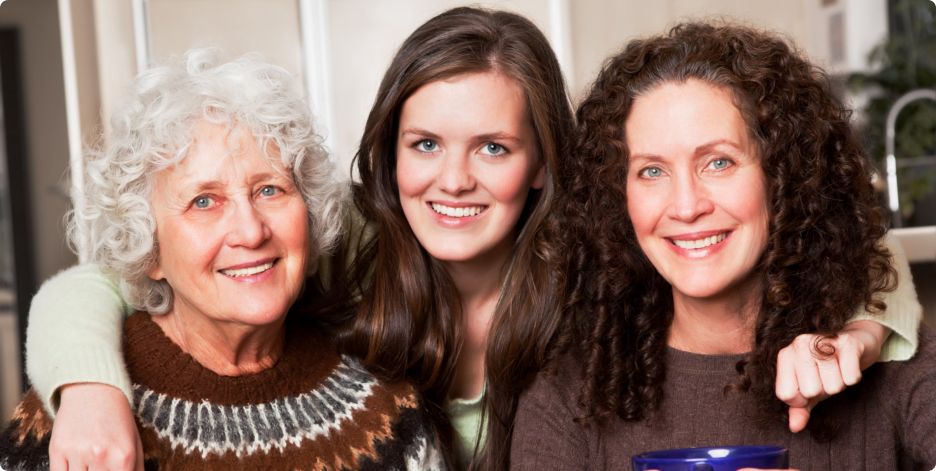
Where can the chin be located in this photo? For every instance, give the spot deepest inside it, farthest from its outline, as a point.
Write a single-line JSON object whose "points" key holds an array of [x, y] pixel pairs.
{"points": [[699, 290], [262, 314], [451, 254]]}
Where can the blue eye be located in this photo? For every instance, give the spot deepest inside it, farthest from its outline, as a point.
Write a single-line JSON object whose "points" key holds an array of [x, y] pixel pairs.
{"points": [[202, 202], [652, 172], [494, 148], [427, 146], [719, 164], [268, 190]]}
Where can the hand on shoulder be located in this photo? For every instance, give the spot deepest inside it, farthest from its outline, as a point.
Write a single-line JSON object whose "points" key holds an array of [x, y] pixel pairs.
{"points": [[95, 429]]}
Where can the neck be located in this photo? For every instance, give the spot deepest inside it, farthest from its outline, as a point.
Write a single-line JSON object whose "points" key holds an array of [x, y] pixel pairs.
{"points": [[721, 324], [224, 347], [479, 283]]}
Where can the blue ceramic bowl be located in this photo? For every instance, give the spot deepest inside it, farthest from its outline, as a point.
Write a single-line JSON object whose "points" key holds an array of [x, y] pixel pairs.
{"points": [[728, 458]]}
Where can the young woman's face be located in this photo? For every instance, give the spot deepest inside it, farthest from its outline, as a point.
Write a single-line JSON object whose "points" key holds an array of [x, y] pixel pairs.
{"points": [[466, 160], [696, 193]]}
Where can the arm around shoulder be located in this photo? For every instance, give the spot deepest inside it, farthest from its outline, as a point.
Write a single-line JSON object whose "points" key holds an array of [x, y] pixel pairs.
{"points": [[903, 314], [74, 333]]}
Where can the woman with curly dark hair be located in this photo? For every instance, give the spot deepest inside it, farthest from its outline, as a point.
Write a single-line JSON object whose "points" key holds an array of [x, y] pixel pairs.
{"points": [[727, 208]]}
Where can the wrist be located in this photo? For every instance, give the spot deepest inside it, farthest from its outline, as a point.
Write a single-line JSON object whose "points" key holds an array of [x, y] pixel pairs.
{"points": [[870, 335]]}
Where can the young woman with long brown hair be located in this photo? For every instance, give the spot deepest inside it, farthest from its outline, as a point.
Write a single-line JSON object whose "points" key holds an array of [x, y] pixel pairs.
{"points": [[454, 271], [457, 173]]}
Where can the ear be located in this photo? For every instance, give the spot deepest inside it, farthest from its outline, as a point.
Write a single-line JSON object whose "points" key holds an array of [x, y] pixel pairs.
{"points": [[539, 179], [155, 272]]}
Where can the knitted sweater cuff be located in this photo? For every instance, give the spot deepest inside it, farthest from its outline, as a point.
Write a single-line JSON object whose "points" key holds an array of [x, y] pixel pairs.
{"points": [[88, 364]]}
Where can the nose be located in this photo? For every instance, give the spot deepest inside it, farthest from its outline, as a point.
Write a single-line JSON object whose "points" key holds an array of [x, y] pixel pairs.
{"points": [[690, 199], [246, 226], [456, 176]]}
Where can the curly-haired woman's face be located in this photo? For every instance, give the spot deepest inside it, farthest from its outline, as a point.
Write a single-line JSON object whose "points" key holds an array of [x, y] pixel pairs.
{"points": [[232, 230], [696, 193], [466, 160]]}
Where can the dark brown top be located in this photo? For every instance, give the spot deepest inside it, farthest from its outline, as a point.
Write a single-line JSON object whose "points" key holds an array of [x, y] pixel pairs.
{"points": [[888, 420]]}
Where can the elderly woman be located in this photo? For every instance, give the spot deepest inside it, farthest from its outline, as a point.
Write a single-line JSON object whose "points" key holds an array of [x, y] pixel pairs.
{"points": [[207, 204], [747, 218]]}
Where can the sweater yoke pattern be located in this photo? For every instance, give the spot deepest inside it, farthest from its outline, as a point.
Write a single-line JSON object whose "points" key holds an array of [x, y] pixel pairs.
{"points": [[314, 410], [209, 428]]}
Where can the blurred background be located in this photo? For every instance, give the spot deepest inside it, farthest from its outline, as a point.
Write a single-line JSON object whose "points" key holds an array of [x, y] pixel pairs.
{"points": [[64, 64]]}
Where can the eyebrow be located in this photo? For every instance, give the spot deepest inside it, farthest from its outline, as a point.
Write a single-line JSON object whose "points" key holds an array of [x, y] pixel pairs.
{"points": [[419, 132], [204, 185], [716, 143], [494, 136], [698, 150]]}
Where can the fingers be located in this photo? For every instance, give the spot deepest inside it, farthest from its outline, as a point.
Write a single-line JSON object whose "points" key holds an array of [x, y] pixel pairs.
{"points": [[799, 417], [830, 376], [849, 353], [138, 466], [57, 461], [807, 371], [805, 377], [94, 431], [787, 387]]}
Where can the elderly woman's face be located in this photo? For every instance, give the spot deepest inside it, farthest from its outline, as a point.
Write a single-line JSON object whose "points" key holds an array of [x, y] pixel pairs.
{"points": [[695, 190], [232, 230]]}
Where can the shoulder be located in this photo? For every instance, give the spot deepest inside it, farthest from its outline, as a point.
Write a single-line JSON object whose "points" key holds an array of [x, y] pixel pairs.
{"points": [[902, 383], [921, 365], [412, 442], [24, 443], [552, 400], [558, 384], [398, 400], [547, 430]]}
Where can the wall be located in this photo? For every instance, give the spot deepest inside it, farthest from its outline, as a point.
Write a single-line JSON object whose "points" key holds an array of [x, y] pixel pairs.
{"points": [[47, 151], [47, 141]]}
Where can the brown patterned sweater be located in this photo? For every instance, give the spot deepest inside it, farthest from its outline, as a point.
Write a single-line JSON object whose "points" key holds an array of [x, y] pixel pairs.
{"points": [[313, 410]]}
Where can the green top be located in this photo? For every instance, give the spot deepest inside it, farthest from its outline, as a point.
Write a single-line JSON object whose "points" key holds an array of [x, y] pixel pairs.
{"points": [[465, 415]]}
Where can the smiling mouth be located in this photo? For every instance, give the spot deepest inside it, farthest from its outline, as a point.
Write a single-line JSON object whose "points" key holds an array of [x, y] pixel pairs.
{"points": [[700, 243], [462, 212], [241, 272]]}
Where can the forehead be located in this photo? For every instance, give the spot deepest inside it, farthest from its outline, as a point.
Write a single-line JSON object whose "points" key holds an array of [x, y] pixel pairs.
{"points": [[679, 118], [221, 153], [487, 96]]}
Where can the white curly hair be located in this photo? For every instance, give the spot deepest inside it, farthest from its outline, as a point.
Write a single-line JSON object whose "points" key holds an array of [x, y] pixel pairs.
{"points": [[112, 223]]}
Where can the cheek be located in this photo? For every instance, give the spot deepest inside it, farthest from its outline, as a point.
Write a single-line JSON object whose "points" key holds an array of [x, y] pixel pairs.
{"points": [[751, 203], [642, 210], [296, 228], [511, 185], [184, 247], [413, 177]]}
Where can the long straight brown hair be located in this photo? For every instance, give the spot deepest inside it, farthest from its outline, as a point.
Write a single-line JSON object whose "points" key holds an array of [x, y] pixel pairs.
{"points": [[407, 324]]}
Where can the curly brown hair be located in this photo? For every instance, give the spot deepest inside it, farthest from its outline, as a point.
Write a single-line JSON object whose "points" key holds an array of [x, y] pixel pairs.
{"points": [[823, 257]]}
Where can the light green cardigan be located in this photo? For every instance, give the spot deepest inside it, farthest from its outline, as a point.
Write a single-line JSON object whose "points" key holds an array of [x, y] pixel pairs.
{"points": [[75, 323]]}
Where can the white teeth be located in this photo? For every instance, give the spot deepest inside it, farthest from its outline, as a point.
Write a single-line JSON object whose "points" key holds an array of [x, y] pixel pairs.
{"points": [[457, 212], [248, 271], [700, 243]]}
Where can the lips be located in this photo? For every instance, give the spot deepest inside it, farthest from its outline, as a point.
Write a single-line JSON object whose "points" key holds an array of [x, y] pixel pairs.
{"points": [[249, 270], [458, 212], [700, 243]]}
